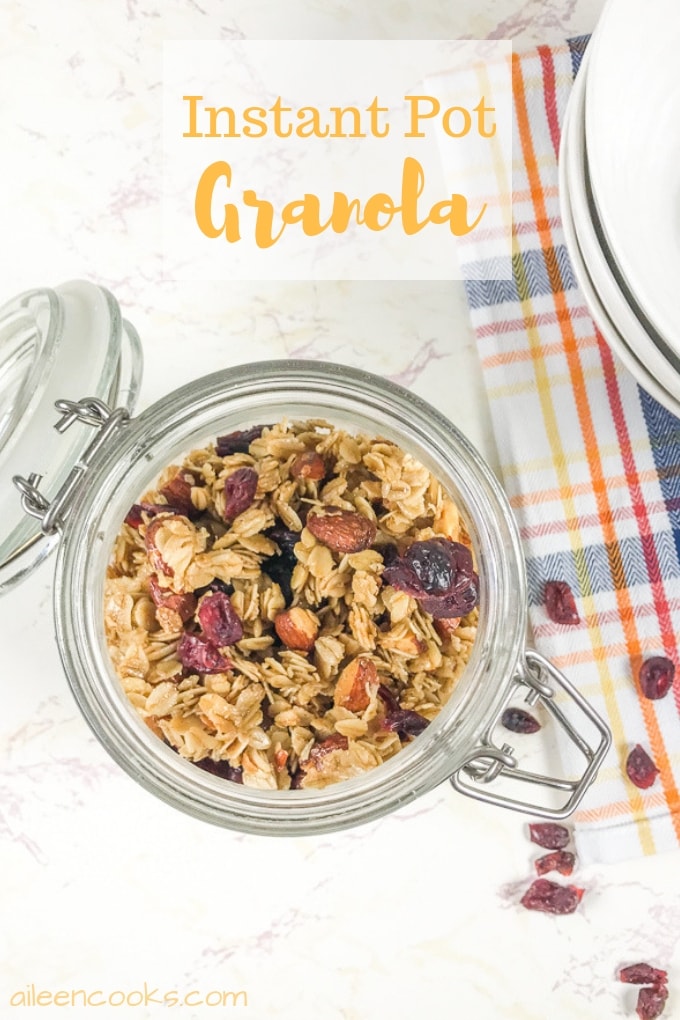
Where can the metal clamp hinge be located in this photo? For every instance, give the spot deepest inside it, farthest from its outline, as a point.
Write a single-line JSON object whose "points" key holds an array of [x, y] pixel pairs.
{"points": [[90, 411], [487, 761]]}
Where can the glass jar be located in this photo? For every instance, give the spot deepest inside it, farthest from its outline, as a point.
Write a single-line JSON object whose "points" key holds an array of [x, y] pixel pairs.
{"points": [[126, 456]]}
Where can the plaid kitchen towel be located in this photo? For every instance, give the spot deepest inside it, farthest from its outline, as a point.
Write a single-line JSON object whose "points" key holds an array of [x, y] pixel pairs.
{"points": [[591, 464]]}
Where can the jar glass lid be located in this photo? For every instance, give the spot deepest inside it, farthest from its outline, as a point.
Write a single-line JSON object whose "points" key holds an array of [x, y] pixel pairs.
{"points": [[55, 345]]}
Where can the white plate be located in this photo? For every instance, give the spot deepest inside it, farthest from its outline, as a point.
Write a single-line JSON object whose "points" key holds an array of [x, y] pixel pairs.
{"points": [[568, 170], [619, 311], [633, 144]]}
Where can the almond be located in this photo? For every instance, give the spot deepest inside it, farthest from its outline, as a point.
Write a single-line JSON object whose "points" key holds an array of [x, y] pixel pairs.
{"points": [[155, 559], [297, 628], [309, 465], [344, 531], [446, 625], [447, 520], [154, 727], [353, 689], [181, 606]]}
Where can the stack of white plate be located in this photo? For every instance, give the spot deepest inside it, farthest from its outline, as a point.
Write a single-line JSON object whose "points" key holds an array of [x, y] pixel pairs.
{"points": [[620, 188]]}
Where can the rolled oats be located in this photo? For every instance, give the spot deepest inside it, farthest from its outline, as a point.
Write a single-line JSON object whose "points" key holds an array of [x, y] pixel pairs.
{"points": [[331, 669]]}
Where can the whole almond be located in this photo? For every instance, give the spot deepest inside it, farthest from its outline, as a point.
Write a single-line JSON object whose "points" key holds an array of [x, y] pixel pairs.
{"points": [[309, 465], [344, 531], [155, 558], [353, 689], [298, 628]]}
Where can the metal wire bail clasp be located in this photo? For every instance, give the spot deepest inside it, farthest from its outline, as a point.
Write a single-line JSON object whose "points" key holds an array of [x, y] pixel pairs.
{"points": [[90, 411], [537, 680]]}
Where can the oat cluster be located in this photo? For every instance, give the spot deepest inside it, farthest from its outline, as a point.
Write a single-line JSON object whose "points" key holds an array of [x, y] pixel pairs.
{"points": [[248, 618]]}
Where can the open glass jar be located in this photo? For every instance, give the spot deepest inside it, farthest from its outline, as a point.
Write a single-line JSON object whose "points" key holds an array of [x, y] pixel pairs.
{"points": [[123, 458]]}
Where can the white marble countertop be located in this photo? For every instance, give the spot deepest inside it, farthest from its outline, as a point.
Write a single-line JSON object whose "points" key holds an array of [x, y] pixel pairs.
{"points": [[103, 886]]}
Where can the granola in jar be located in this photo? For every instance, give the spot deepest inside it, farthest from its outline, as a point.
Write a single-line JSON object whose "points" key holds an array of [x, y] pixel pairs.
{"points": [[291, 605]]}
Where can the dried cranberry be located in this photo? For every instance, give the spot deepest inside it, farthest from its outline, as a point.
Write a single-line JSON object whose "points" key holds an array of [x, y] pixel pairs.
{"points": [[430, 567], [303, 512], [656, 677], [390, 700], [519, 721], [238, 442], [404, 722], [642, 974], [551, 898], [390, 554], [239, 492], [558, 860], [336, 742], [640, 768], [458, 603], [178, 494], [200, 656], [219, 621], [184, 604], [215, 585], [134, 515], [297, 779], [651, 1002], [549, 835], [559, 603], [439, 573], [284, 538], [222, 769], [279, 568]]}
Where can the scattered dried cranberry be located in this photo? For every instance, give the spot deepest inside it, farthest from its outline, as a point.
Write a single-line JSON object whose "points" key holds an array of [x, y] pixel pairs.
{"points": [[558, 860], [404, 722], [184, 604], [551, 898], [200, 656], [519, 721], [640, 768], [222, 769], [238, 442], [437, 572], [642, 974], [559, 603], [651, 1002], [178, 494], [219, 621], [656, 677], [549, 835], [239, 492]]}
